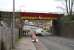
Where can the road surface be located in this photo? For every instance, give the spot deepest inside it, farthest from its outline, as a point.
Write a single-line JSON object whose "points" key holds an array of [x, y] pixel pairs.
{"points": [[57, 43]]}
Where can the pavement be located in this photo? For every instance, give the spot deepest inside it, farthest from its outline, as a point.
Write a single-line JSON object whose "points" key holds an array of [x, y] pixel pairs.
{"points": [[40, 46], [25, 43]]}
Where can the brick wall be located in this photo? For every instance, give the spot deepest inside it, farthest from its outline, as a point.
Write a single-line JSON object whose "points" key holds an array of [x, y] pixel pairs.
{"points": [[68, 29]]}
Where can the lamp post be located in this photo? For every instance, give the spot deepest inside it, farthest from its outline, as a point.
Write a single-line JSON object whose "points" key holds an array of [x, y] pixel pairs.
{"points": [[13, 25], [14, 14]]}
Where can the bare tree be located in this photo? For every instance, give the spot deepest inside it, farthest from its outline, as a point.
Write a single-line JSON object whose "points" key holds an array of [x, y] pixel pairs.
{"points": [[68, 6]]}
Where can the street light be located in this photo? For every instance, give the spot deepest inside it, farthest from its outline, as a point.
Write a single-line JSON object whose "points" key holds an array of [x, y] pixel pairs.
{"points": [[13, 25]]}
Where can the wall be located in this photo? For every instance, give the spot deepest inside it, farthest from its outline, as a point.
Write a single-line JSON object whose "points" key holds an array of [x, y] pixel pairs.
{"points": [[68, 29]]}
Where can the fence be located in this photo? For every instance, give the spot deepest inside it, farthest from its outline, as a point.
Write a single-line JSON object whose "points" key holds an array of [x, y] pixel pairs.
{"points": [[6, 38]]}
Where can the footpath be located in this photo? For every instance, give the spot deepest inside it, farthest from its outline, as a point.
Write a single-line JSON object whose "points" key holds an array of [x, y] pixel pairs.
{"points": [[40, 46], [25, 43]]}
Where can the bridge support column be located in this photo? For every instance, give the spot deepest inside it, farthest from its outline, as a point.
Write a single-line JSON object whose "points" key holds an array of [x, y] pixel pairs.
{"points": [[56, 28]]}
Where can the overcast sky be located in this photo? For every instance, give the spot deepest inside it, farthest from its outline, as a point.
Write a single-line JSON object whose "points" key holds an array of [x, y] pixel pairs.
{"points": [[32, 5]]}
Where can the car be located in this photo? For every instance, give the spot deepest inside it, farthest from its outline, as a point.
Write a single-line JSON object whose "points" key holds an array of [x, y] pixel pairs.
{"points": [[38, 30]]}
